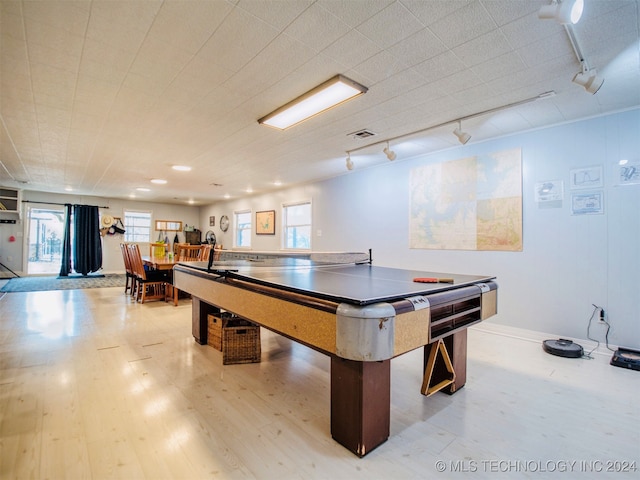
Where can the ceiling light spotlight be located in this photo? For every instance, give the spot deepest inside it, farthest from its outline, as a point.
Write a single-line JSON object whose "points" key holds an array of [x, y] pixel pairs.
{"points": [[158, 181], [563, 12], [391, 155], [349, 162], [327, 95], [589, 79], [463, 137], [182, 168]]}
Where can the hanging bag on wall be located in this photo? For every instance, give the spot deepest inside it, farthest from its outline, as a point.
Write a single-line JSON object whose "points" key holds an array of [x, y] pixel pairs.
{"points": [[118, 227]]}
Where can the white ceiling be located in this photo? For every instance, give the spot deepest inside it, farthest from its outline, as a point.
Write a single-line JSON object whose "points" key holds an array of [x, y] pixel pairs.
{"points": [[103, 96]]}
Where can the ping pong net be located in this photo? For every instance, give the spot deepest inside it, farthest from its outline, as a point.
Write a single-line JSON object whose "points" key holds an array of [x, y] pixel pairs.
{"points": [[230, 261]]}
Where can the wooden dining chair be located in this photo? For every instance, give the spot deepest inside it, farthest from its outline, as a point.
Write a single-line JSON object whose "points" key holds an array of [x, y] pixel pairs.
{"points": [[184, 253], [151, 284], [130, 276], [177, 245], [205, 250], [188, 253], [157, 249]]}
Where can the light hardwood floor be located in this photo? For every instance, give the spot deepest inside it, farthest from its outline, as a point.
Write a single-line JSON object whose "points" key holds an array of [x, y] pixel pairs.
{"points": [[95, 386]]}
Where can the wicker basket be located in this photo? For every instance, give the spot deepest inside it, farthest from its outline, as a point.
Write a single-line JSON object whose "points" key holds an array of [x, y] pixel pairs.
{"points": [[215, 325], [240, 344]]}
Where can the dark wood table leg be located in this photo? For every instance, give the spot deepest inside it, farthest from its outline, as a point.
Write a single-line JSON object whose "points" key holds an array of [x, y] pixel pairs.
{"points": [[360, 403], [456, 344], [199, 326]]}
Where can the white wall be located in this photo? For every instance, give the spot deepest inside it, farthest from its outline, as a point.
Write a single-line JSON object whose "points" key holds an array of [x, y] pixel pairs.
{"points": [[111, 255], [568, 262]]}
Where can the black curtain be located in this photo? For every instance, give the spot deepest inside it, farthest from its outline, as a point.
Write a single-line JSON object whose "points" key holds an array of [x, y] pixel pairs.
{"points": [[65, 267], [87, 252]]}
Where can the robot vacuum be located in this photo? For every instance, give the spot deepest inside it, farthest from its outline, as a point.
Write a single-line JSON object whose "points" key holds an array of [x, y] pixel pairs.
{"points": [[563, 348]]}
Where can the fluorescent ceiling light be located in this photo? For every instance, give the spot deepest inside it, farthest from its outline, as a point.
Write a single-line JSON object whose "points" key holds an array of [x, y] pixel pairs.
{"points": [[329, 94]]}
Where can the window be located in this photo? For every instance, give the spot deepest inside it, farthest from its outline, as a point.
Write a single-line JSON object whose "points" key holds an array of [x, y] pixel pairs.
{"points": [[137, 226], [243, 228], [297, 225]]}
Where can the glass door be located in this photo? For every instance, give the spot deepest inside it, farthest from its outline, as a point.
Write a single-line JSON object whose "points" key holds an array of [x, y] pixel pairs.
{"points": [[44, 239]]}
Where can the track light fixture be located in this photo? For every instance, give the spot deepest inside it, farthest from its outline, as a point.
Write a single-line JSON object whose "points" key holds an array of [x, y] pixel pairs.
{"points": [[349, 162], [463, 137], [589, 79], [391, 155], [564, 12]]}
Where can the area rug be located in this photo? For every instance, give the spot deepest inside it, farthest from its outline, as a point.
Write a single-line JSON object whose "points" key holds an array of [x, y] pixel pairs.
{"points": [[38, 284]]}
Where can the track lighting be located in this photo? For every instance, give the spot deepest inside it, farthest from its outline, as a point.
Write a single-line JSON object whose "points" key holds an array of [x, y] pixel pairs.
{"points": [[463, 137], [563, 12], [349, 162], [589, 79], [391, 155]]}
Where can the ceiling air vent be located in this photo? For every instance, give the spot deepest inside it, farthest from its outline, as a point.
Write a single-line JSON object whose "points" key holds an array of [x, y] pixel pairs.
{"points": [[361, 134]]}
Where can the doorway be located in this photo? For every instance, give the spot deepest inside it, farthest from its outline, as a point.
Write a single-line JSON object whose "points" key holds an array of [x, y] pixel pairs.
{"points": [[44, 240]]}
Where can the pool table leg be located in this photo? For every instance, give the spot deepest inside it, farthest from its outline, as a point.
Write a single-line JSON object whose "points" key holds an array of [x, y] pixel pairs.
{"points": [[456, 344], [360, 403], [199, 318]]}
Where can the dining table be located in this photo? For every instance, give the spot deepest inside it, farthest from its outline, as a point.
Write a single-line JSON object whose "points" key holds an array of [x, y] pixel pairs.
{"points": [[159, 263], [162, 263]]}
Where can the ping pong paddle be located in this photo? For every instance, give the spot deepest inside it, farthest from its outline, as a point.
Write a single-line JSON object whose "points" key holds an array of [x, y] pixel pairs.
{"points": [[432, 280]]}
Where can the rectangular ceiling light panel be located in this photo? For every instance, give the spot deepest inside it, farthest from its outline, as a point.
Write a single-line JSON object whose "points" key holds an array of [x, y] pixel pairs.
{"points": [[329, 94]]}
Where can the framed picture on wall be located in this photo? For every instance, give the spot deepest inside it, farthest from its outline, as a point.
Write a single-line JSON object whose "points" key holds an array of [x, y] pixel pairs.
{"points": [[587, 203], [266, 222], [212, 221], [587, 177]]}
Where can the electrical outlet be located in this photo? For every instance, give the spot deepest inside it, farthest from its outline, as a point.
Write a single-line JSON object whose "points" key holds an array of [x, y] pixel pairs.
{"points": [[602, 315]]}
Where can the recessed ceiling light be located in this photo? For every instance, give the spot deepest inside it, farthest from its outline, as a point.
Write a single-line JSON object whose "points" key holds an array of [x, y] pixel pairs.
{"points": [[68, 189], [143, 189], [226, 195], [249, 190], [158, 181], [277, 183], [191, 202], [182, 168]]}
